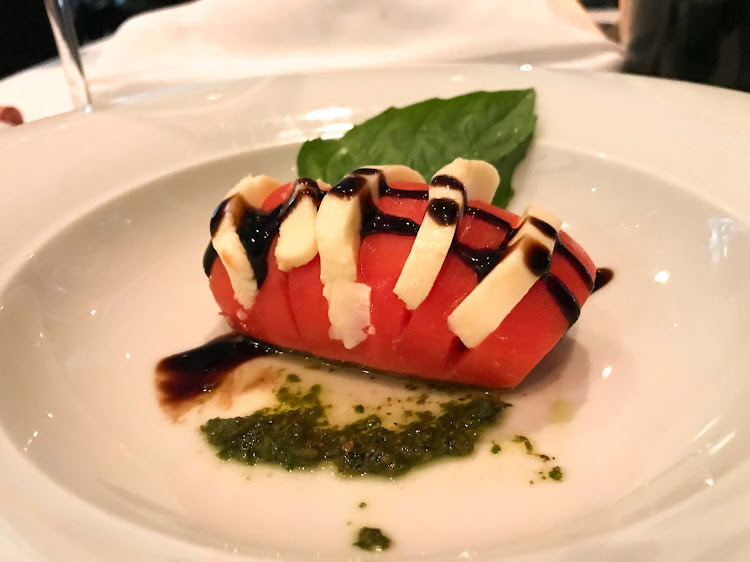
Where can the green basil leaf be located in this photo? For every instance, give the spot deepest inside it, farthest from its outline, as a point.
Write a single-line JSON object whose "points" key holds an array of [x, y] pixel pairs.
{"points": [[493, 126]]}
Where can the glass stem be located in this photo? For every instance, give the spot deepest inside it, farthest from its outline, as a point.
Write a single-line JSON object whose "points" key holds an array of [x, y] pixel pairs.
{"points": [[63, 28]]}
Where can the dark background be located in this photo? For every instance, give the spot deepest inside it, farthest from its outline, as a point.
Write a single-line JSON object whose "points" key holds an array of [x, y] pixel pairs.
{"points": [[26, 38]]}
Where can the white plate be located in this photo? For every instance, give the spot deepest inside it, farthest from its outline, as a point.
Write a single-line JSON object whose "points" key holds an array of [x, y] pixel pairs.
{"points": [[104, 221]]}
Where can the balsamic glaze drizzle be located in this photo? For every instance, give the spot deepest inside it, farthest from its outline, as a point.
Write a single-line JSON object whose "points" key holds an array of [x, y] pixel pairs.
{"points": [[603, 276], [378, 222], [577, 264], [257, 230], [421, 194], [187, 375], [217, 215], [486, 216], [563, 297], [443, 211], [209, 257]]}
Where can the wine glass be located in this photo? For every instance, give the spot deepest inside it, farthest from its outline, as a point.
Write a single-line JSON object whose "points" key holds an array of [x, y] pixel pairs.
{"points": [[61, 19]]}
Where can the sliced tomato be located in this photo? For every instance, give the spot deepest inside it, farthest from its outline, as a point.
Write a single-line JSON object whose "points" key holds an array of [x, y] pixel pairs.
{"points": [[478, 233], [270, 319], [428, 343], [291, 311], [526, 335], [388, 314], [277, 196]]}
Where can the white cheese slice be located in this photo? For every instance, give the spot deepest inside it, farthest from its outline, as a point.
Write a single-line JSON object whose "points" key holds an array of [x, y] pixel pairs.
{"points": [[482, 311], [232, 254], [254, 189], [297, 243], [431, 246], [528, 228], [349, 312], [337, 229], [249, 191], [480, 178], [398, 172]]}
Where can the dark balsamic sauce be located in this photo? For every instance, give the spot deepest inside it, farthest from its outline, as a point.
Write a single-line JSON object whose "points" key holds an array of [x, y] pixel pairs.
{"points": [[443, 211], [486, 216], [603, 276], [577, 264], [185, 376], [256, 231], [378, 222], [479, 260], [563, 297], [349, 186], [303, 187], [258, 228], [447, 181], [217, 215], [209, 257], [545, 228], [419, 194], [451, 183], [537, 258]]}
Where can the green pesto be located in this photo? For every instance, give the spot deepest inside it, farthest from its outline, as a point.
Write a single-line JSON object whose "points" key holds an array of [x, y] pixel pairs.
{"points": [[292, 378], [495, 449], [359, 408], [370, 538], [526, 443], [362, 505], [297, 435], [556, 474]]}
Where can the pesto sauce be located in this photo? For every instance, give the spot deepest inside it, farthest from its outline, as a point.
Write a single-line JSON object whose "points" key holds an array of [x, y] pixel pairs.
{"points": [[370, 538], [298, 435]]}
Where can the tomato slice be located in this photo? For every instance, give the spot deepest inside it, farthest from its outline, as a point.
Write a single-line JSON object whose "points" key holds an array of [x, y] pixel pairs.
{"points": [[270, 319], [291, 311]]}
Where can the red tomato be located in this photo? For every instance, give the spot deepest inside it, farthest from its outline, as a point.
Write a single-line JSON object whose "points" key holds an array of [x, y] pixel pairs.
{"points": [[291, 311]]}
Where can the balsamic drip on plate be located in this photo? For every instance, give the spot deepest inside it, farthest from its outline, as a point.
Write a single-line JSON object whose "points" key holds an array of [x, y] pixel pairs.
{"points": [[187, 375], [603, 276]]}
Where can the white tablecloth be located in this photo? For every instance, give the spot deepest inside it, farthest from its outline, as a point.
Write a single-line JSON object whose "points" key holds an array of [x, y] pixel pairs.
{"points": [[210, 40]]}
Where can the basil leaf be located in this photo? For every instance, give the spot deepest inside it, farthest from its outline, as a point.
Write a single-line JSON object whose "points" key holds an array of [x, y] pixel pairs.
{"points": [[493, 126]]}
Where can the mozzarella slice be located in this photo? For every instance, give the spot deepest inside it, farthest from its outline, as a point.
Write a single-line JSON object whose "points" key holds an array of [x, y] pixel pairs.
{"points": [[480, 178], [232, 253], [337, 229], [431, 245], [250, 191], [397, 172], [482, 311], [349, 312], [297, 243], [254, 189]]}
